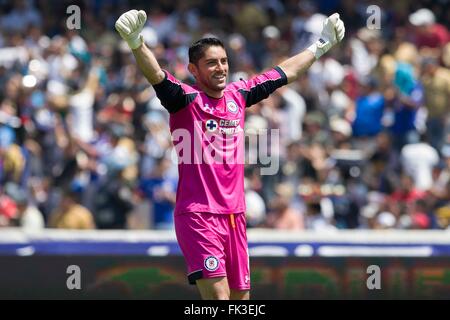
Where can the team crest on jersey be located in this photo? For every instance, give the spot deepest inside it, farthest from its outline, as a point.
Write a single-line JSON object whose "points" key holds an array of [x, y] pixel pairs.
{"points": [[211, 263], [232, 106], [211, 125]]}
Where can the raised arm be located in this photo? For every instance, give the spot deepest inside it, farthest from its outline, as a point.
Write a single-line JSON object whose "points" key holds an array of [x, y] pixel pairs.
{"points": [[333, 32], [173, 94], [129, 26]]}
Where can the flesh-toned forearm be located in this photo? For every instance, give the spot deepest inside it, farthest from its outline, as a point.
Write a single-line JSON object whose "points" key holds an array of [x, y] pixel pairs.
{"points": [[298, 64], [148, 64]]}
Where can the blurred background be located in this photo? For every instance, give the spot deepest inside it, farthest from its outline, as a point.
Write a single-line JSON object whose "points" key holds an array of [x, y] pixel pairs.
{"points": [[364, 134]]}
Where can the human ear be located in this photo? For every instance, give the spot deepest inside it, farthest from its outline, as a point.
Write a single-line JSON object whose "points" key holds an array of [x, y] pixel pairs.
{"points": [[193, 69]]}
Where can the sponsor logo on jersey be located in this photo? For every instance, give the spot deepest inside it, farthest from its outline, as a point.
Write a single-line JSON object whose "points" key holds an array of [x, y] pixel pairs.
{"points": [[229, 123], [211, 125], [230, 131]]}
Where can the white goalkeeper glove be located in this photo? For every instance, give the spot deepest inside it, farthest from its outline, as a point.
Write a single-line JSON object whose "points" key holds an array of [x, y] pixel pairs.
{"points": [[333, 32], [129, 26]]}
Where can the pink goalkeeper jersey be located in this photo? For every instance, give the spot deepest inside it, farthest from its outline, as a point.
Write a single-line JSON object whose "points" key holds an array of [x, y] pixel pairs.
{"points": [[208, 135]]}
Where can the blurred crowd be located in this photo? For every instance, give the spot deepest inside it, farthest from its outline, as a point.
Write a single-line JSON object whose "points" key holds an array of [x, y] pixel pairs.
{"points": [[364, 134]]}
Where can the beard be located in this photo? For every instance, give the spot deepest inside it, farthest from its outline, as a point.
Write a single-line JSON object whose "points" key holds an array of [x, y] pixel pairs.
{"points": [[214, 84], [217, 84]]}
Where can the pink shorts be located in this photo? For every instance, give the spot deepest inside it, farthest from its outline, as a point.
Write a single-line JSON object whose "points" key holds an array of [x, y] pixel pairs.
{"points": [[215, 245]]}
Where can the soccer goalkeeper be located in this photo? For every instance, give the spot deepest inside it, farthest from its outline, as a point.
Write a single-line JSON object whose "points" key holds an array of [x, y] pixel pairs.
{"points": [[209, 214]]}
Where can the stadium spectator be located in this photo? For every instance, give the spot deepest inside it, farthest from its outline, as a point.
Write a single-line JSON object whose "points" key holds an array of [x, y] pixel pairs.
{"points": [[405, 104], [282, 215], [418, 160], [71, 215], [28, 215], [160, 189], [368, 110], [428, 33], [436, 81]]}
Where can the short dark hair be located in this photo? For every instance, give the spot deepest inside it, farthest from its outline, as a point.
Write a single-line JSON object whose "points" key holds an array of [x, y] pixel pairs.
{"points": [[197, 49]]}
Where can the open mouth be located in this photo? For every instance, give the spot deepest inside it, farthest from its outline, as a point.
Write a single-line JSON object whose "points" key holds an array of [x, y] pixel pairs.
{"points": [[219, 77]]}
